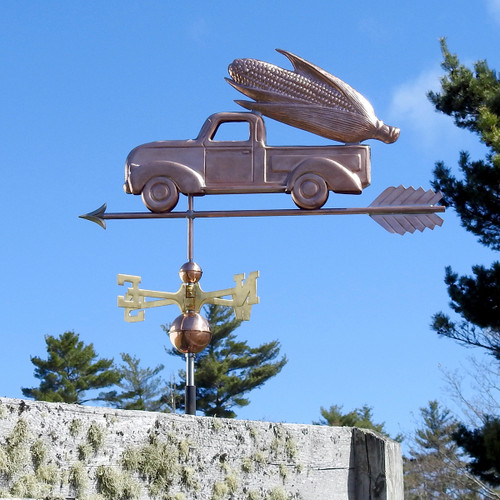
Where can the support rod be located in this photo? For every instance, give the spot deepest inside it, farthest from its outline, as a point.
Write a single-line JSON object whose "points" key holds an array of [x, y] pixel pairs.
{"points": [[190, 228], [190, 394]]}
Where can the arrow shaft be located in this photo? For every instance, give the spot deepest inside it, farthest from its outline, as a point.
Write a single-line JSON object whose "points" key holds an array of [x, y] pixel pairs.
{"points": [[395, 209]]}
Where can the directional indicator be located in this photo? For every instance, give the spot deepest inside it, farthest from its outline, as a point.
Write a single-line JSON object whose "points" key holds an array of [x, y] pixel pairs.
{"points": [[189, 298], [398, 210]]}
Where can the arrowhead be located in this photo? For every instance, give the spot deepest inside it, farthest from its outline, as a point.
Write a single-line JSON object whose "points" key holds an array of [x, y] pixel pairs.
{"points": [[96, 216]]}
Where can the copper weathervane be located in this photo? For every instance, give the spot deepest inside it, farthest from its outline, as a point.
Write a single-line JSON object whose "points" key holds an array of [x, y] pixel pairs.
{"points": [[308, 98]]}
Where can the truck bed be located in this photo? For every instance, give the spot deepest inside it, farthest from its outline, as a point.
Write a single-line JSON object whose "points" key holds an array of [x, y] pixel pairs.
{"points": [[283, 159]]}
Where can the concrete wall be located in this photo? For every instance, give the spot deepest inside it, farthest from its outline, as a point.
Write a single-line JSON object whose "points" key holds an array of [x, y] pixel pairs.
{"points": [[60, 451]]}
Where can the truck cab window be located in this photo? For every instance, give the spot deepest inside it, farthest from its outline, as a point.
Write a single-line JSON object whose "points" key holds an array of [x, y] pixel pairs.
{"points": [[232, 132]]}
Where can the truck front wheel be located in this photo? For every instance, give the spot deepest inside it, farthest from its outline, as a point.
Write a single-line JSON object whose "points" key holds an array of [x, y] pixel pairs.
{"points": [[310, 191], [160, 194]]}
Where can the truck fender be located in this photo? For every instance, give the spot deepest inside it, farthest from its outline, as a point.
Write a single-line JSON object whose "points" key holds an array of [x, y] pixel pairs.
{"points": [[338, 178], [186, 179]]}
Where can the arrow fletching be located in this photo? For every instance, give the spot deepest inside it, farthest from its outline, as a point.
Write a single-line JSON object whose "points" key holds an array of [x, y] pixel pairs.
{"points": [[408, 209]]}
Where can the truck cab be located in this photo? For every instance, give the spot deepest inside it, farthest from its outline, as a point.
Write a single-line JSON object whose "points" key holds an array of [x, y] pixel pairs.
{"points": [[232, 166]]}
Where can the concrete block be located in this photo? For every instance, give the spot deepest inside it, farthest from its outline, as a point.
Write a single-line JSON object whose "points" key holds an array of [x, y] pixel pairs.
{"points": [[61, 451]]}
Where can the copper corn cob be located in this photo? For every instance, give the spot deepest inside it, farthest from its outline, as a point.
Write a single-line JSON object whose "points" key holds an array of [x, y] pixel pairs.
{"points": [[308, 98]]}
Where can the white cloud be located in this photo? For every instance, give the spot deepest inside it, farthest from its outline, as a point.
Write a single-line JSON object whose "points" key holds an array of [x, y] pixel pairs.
{"points": [[412, 110], [198, 30], [434, 133], [494, 8]]}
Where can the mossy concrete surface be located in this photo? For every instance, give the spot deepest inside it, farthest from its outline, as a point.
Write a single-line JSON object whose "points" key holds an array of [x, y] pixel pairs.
{"points": [[57, 451]]}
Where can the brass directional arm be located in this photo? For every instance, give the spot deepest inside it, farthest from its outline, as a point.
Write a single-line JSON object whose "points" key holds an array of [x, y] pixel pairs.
{"points": [[189, 298]]}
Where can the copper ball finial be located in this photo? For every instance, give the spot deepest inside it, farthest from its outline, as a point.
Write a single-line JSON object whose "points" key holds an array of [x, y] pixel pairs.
{"points": [[190, 333], [190, 272]]}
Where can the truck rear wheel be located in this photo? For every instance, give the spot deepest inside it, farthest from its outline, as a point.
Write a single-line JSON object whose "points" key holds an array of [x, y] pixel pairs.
{"points": [[310, 191], [160, 194]]}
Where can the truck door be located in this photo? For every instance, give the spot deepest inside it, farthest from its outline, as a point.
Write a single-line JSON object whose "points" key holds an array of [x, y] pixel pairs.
{"points": [[229, 156]]}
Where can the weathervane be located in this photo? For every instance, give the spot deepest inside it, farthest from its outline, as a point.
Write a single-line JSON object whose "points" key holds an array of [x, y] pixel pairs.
{"points": [[308, 98]]}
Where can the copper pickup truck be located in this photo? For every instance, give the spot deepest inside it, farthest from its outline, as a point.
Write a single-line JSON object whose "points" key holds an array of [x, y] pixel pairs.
{"points": [[205, 165]]}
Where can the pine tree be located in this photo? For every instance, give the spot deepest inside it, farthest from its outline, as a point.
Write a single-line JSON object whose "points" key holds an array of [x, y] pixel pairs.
{"points": [[228, 368], [359, 417], [484, 445], [472, 98], [435, 468], [141, 388], [71, 369]]}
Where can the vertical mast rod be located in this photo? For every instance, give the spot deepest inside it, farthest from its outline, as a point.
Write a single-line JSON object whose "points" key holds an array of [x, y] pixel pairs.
{"points": [[190, 228], [190, 389], [190, 394]]}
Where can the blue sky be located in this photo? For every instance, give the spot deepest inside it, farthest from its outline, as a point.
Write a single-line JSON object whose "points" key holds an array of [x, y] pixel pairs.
{"points": [[85, 82]]}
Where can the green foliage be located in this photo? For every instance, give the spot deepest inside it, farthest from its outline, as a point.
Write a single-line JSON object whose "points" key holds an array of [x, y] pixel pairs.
{"points": [[475, 299], [484, 445], [472, 98], [359, 417], [438, 428], [435, 467], [228, 369], [71, 369], [141, 388]]}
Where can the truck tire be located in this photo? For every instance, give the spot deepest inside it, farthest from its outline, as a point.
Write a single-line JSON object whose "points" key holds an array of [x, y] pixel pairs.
{"points": [[160, 194], [310, 191]]}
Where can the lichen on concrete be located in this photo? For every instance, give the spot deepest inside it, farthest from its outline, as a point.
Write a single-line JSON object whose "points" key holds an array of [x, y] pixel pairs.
{"points": [[113, 484], [79, 479], [95, 436], [75, 427], [277, 494], [52, 450]]}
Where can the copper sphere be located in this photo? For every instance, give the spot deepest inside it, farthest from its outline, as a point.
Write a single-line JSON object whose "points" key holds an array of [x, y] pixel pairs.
{"points": [[190, 333], [190, 272]]}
